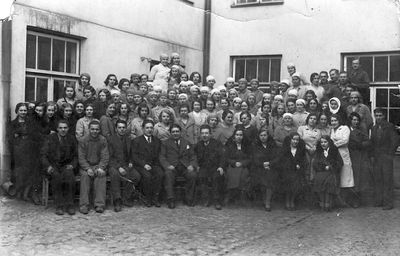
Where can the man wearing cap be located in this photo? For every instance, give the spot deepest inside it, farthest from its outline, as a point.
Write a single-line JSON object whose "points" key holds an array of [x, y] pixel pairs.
{"points": [[243, 92]]}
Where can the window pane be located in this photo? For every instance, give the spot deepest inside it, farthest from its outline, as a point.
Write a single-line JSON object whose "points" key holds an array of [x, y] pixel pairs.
{"points": [[246, 1], [251, 69], [395, 68], [381, 97], [29, 89], [44, 45], [394, 116], [394, 100], [275, 70], [381, 68], [31, 51], [239, 69], [71, 57], [348, 63], [366, 64], [72, 83], [263, 70], [58, 89], [41, 94], [58, 55]]}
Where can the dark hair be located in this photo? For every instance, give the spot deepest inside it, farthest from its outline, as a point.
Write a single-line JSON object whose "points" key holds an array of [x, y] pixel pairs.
{"points": [[186, 74], [65, 90], [353, 114], [86, 75], [146, 75], [121, 82], [134, 75], [171, 116], [310, 115], [62, 121], [225, 113], [290, 100], [337, 117], [263, 103], [380, 110], [211, 100], [142, 106], [20, 104], [108, 78], [192, 75], [227, 100], [107, 93], [183, 106], [194, 101], [205, 126], [313, 75], [245, 113], [147, 121], [127, 106], [334, 69], [286, 143], [119, 121], [332, 148], [94, 122], [91, 89], [175, 126], [310, 92]]}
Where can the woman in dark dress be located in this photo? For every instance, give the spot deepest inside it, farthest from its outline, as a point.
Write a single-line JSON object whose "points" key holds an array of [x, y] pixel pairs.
{"points": [[327, 164], [293, 163], [358, 145], [263, 167], [237, 160], [21, 141]]}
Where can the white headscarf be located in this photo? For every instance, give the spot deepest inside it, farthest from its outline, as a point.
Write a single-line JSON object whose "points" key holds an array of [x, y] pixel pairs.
{"points": [[334, 111]]}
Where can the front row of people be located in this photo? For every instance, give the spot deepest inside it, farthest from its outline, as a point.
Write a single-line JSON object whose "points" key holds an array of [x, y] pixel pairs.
{"points": [[222, 173]]}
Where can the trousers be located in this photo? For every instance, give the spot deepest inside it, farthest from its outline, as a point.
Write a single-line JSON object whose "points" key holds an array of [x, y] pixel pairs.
{"points": [[190, 185], [117, 183], [99, 189], [63, 184], [383, 179], [151, 181]]}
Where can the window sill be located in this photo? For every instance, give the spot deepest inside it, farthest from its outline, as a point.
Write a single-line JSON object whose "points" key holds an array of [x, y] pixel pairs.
{"points": [[257, 4]]}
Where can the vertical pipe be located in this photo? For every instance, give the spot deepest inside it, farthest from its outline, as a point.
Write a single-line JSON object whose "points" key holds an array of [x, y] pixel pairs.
{"points": [[206, 42]]}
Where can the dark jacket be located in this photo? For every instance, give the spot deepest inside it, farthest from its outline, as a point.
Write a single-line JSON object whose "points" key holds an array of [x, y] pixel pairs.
{"points": [[388, 142], [119, 149], [143, 152], [56, 155], [171, 154], [233, 155], [210, 156]]}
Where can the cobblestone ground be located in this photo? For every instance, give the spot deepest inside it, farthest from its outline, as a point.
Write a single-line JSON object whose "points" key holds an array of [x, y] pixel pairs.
{"points": [[32, 230]]}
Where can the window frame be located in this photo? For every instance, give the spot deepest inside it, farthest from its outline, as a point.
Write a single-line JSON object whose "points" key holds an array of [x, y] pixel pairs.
{"points": [[257, 3], [256, 57], [51, 72]]}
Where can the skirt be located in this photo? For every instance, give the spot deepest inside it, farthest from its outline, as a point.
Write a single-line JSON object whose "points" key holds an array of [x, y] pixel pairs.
{"points": [[237, 178]]}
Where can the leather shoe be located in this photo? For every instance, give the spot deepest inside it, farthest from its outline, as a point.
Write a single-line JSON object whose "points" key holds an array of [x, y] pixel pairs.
{"points": [[117, 205], [84, 210], [156, 202], [71, 210], [387, 207], [147, 202], [59, 210], [218, 206], [99, 209], [171, 204], [127, 203], [267, 208]]}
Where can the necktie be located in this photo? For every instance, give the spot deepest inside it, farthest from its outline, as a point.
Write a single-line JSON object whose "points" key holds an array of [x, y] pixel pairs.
{"points": [[149, 139], [177, 143]]}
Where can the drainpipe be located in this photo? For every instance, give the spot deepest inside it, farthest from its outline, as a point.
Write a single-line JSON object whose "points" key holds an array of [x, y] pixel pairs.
{"points": [[206, 42]]}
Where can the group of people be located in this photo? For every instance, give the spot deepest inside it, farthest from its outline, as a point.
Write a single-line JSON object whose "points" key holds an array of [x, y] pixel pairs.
{"points": [[226, 141]]}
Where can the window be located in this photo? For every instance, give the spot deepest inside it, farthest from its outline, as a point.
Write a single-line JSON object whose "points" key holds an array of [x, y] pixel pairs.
{"points": [[241, 3], [264, 68], [384, 72], [51, 63]]}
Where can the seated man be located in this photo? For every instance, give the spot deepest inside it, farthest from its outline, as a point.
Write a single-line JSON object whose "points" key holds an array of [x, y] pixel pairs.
{"points": [[209, 156], [145, 152], [177, 158], [59, 158], [93, 159], [119, 146]]}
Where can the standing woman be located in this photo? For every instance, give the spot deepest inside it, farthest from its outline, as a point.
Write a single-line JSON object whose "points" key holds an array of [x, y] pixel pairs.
{"points": [[106, 121], [323, 124], [123, 113], [340, 135], [282, 131], [313, 107], [104, 96], [335, 108], [327, 164], [310, 134], [358, 146], [300, 115], [66, 113], [293, 163], [162, 128], [264, 163], [51, 117], [79, 109], [82, 125], [195, 77], [237, 158], [21, 145], [68, 96], [159, 74]]}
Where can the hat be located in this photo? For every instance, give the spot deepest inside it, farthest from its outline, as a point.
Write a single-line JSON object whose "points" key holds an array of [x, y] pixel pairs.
{"points": [[115, 92], [278, 97], [194, 87], [285, 81], [287, 114], [210, 77], [85, 74], [237, 99], [204, 89], [296, 74], [298, 101], [181, 95], [230, 79]]}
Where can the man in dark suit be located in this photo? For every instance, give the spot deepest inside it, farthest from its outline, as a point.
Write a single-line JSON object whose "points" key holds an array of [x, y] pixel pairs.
{"points": [[384, 141], [59, 157], [210, 159], [119, 165], [177, 158], [145, 153]]}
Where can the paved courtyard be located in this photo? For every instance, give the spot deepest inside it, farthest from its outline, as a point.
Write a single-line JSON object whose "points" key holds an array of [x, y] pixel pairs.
{"points": [[33, 230]]}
